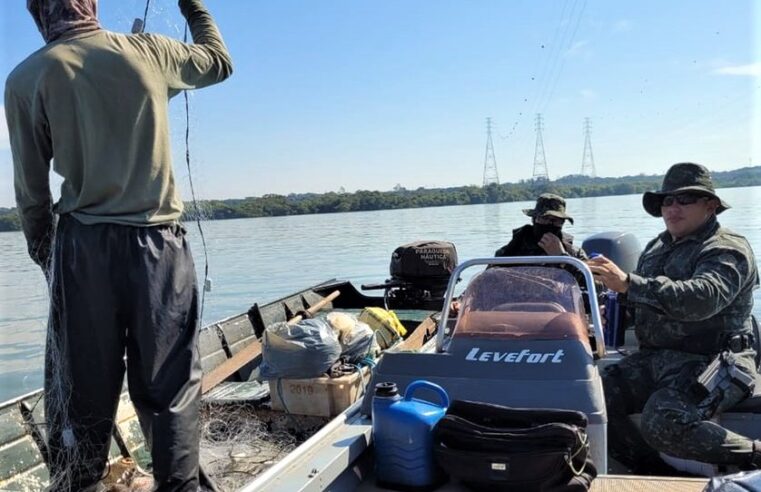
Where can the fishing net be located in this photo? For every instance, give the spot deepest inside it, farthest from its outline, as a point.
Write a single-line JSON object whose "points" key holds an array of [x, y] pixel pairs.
{"points": [[240, 440], [58, 394]]}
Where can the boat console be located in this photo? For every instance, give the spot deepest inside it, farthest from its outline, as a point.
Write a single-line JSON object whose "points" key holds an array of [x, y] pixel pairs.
{"points": [[521, 338]]}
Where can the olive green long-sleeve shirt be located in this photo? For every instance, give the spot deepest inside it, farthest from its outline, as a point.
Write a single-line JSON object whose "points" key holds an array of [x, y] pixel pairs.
{"points": [[96, 104], [689, 295]]}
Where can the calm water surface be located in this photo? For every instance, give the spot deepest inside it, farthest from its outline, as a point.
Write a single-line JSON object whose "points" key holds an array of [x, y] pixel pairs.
{"points": [[262, 259]]}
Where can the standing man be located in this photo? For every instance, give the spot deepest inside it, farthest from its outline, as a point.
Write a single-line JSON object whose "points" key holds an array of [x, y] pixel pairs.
{"points": [[544, 236], [122, 280], [691, 297]]}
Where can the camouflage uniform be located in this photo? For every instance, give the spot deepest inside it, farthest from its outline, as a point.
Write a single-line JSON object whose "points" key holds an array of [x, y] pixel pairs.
{"points": [[686, 298]]}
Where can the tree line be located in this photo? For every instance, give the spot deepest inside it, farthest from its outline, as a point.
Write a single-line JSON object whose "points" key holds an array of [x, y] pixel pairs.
{"points": [[574, 186]]}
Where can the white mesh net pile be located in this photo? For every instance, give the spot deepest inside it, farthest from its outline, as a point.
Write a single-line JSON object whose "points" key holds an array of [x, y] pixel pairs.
{"points": [[240, 441]]}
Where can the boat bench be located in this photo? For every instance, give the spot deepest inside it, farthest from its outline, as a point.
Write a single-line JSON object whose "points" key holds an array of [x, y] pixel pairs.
{"points": [[22, 466]]}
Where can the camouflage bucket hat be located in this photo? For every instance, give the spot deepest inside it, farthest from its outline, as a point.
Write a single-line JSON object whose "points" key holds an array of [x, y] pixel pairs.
{"points": [[684, 177], [549, 205]]}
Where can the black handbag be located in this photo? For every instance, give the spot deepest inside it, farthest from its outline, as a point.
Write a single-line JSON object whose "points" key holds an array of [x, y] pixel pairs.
{"points": [[491, 447]]}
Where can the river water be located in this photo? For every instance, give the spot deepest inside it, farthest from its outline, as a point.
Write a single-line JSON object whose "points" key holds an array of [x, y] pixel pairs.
{"points": [[258, 260]]}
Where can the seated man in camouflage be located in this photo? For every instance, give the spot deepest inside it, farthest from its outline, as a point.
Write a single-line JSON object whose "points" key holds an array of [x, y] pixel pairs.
{"points": [[690, 301], [544, 236]]}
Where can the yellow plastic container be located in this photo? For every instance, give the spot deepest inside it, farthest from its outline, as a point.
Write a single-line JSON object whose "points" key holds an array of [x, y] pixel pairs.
{"points": [[321, 397], [387, 327]]}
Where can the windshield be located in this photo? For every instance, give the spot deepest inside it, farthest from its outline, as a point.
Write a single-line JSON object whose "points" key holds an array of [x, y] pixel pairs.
{"points": [[536, 302]]}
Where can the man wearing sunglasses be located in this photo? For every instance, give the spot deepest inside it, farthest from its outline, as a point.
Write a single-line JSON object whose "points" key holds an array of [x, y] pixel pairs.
{"points": [[690, 301]]}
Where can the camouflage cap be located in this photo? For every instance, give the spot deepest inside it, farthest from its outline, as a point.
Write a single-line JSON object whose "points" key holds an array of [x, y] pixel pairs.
{"points": [[549, 205], [685, 177]]}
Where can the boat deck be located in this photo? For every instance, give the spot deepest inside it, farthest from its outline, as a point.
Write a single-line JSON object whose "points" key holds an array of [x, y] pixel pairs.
{"points": [[620, 483], [603, 483]]}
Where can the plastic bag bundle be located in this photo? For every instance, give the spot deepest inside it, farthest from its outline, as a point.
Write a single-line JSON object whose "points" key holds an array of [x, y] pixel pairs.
{"points": [[356, 338], [303, 350]]}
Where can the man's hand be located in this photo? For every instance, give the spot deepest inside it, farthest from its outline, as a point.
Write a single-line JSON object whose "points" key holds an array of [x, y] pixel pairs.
{"points": [[454, 308], [552, 245], [609, 274]]}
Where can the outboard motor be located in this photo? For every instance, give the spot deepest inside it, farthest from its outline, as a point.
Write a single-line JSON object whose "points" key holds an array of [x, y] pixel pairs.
{"points": [[420, 273], [620, 247], [624, 250]]}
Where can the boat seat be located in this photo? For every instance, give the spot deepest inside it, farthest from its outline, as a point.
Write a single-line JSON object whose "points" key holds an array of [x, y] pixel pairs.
{"points": [[522, 325]]}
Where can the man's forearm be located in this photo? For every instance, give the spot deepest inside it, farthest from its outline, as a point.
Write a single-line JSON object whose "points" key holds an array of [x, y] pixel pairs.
{"points": [[205, 33]]}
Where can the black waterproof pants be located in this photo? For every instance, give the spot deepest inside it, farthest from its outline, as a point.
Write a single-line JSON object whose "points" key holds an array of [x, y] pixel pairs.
{"points": [[121, 291]]}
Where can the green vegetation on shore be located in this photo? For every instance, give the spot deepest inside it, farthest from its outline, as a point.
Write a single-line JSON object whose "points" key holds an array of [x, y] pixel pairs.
{"points": [[313, 203]]}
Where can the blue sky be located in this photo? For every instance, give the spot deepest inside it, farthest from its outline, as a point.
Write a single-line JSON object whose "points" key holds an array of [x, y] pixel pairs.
{"points": [[365, 95]]}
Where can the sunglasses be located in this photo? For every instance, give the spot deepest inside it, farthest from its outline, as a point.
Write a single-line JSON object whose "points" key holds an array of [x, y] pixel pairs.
{"points": [[681, 199]]}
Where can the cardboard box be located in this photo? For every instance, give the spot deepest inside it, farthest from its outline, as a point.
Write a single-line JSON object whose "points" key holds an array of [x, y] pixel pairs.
{"points": [[322, 397]]}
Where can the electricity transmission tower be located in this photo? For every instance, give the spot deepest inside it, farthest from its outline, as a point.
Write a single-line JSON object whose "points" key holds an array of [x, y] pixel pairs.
{"points": [[490, 162], [540, 162], [588, 159]]}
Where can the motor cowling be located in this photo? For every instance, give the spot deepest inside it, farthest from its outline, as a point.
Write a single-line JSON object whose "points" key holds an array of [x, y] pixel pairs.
{"points": [[620, 247], [420, 273], [425, 264]]}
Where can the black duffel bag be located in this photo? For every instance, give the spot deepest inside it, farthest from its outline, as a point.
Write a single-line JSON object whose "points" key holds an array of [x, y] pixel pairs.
{"points": [[491, 447]]}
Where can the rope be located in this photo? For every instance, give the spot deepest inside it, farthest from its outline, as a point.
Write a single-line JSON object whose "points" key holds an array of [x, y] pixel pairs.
{"points": [[369, 362], [583, 445], [145, 14], [193, 195], [196, 208]]}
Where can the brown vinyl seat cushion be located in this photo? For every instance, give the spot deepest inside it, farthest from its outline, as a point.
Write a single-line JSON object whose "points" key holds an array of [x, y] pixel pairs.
{"points": [[522, 325]]}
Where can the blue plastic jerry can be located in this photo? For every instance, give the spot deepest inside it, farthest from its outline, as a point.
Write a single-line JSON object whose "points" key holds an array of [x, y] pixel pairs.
{"points": [[403, 436]]}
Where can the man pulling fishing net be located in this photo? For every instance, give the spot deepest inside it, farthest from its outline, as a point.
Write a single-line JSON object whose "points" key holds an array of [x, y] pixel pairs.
{"points": [[121, 275]]}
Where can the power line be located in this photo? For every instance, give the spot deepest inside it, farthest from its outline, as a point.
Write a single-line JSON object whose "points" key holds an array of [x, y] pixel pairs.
{"points": [[552, 68], [557, 57], [542, 70], [568, 44], [561, 33]]}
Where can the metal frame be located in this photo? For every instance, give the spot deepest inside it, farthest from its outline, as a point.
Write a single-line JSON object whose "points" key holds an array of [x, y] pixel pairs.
{"points": [[525, 260]]}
